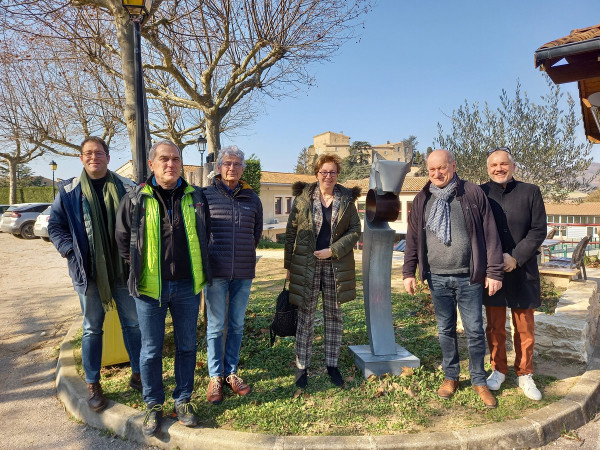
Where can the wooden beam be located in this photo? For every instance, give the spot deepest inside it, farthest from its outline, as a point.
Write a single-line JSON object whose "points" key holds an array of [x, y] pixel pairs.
{"points": [[568, 73]]}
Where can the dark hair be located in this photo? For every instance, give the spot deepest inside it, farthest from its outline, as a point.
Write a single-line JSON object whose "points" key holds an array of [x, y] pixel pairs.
{"points": [[326, 158], [97, 140]]}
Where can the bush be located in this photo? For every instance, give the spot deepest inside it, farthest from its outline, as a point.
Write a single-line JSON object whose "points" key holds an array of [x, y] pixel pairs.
{"points": [[267, 242]]}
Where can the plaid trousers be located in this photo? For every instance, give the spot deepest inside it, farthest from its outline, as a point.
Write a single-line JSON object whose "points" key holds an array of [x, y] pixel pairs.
{"points": [[323, 281]]}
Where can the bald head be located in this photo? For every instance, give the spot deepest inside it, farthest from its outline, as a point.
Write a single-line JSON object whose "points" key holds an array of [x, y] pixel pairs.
{"points": [[441, 166]]}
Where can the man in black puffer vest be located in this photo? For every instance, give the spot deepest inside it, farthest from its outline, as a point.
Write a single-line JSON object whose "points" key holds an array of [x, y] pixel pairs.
{"points": [[237, 224]]}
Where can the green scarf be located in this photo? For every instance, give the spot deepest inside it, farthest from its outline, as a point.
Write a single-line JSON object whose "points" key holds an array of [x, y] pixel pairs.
{"points": [[107, 265]]}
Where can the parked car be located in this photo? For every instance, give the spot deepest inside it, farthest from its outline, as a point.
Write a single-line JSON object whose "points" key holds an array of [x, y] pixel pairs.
{"points": [[41, 224], [3, 208], [19, 219], [400, 246]]}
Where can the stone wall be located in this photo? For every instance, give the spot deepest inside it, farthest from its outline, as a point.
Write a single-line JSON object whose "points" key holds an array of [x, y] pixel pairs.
{"points": [[569, 332]]}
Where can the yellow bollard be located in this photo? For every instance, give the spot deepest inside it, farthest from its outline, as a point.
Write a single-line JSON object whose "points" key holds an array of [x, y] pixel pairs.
{"points": [[113, 347]]}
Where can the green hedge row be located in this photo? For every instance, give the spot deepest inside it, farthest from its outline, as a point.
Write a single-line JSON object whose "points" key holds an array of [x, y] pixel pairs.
{"points": [[30, 194]]}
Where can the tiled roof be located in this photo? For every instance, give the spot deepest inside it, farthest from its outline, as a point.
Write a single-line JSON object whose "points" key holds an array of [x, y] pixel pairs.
{"points": [[414, 184], [285, 178], [574, 209], [411, 184], [577, 35]]}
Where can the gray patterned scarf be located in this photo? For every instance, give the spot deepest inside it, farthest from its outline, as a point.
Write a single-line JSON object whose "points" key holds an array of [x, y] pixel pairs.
{"points": [[439, 216]]}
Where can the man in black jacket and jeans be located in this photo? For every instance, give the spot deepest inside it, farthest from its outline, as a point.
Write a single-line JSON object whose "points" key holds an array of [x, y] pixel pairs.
{"points": [[521, 220], [162, 229], [236, 228], [452, 237]]}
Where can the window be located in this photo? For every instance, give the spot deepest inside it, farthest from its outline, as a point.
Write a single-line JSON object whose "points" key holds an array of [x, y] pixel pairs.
{"points": [[399, 219], [361, 209], [408, 208], [278, 205], [288, 205]]}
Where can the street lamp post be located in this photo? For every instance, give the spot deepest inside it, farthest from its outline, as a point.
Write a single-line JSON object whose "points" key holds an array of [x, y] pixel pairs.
{"points": [[53, 166], [137, 9], [201, 149]]}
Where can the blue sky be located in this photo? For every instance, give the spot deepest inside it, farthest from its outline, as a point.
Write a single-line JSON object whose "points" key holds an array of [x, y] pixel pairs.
{"points": [[411, 66]]}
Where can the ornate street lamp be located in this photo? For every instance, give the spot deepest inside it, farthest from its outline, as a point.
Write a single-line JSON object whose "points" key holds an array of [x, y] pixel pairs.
{"points": [[53, 166], [201, 149], [138, 9]]}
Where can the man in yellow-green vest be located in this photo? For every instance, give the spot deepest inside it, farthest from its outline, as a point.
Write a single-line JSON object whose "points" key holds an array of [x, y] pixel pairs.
{"points": [[162, 228]]}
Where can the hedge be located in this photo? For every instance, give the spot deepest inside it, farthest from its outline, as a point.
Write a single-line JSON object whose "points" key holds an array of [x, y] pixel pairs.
{"points": [[30, 194]]}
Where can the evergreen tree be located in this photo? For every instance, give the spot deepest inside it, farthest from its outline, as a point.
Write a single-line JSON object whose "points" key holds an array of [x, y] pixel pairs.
{"points": [[542, 138]]}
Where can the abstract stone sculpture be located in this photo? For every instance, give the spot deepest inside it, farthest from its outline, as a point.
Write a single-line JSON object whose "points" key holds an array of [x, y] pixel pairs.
{"points": [[382, 355]]}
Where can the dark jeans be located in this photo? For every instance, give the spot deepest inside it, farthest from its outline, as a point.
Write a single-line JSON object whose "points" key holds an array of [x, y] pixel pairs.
{"points": [[93, 321], [448, 292], [179, 298]]}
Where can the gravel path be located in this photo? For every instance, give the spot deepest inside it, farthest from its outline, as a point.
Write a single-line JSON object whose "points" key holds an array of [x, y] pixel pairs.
{"points": [[38, 307]]}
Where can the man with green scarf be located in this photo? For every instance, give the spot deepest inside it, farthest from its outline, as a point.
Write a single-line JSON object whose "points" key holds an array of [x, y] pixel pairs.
{"points": [[82, 228]]}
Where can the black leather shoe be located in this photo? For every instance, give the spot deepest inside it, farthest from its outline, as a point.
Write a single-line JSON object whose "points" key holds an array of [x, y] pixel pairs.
{"points": [[335, 375], [301, 378]]}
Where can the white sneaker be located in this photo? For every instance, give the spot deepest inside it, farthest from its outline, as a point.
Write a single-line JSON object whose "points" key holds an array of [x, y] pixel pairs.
{"points": [[527, 384], [495, 380]]}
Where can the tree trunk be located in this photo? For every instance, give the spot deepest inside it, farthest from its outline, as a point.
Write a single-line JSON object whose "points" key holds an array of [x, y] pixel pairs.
{"points": [[12, 173]]}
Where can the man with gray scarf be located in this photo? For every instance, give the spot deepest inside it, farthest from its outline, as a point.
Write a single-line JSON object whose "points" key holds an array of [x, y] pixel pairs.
{"points": [[452, 238]]}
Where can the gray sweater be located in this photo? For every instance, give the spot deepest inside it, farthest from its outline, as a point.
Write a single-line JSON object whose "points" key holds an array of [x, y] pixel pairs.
{"points": [[456, 257]]}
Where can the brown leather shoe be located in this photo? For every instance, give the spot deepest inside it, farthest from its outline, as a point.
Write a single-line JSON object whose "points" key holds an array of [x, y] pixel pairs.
{"points": [[214, 394], [135, 382], [237, 385], [448, 388], [486, 396], [96, 400]]}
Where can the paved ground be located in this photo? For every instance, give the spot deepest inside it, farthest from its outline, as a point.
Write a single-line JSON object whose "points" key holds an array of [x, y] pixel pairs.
{"points": [[38, 307]]}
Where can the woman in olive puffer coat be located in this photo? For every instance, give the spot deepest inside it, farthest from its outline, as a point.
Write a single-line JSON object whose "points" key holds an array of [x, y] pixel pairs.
{"points": [[321, 233]]}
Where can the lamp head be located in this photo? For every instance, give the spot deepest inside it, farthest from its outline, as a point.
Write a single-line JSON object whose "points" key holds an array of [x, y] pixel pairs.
{"points": [[138, 7], [53, 165]]}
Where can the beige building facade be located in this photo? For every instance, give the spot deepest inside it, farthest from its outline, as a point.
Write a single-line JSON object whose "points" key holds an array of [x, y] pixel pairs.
{"points": [[339, 144]]}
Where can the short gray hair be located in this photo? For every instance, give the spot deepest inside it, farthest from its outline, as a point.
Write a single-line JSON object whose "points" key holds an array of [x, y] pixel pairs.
{"points": [[152, 152], [231, 150], [451, 158]]}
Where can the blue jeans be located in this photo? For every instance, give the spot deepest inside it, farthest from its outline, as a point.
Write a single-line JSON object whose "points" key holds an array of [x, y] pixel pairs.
{"points": [[178, 297], [448, 292], [93, 319], [216, 309]]}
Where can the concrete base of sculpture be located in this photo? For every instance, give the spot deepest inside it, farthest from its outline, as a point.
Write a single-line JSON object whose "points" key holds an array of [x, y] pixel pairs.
{"points": [[370, 364]]}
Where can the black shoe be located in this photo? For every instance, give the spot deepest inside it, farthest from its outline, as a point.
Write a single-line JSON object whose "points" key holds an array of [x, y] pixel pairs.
{"points": [[135, 382], [336, 376], [185, 414], [151, 424], [96, 400], [301, 378]]}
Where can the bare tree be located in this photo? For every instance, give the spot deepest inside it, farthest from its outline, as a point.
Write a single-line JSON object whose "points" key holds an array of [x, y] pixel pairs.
{"points": [[208, 56]]}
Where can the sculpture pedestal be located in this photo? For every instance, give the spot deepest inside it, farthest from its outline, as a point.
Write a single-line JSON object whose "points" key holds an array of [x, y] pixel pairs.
{"points": [[371, 364]]}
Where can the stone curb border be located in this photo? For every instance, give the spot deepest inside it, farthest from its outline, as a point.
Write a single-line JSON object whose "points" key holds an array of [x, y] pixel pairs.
{"points": [[533, 430]]}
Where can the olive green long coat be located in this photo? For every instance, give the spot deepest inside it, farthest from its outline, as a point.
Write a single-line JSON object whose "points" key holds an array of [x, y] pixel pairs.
{"points": [[300, 242]]}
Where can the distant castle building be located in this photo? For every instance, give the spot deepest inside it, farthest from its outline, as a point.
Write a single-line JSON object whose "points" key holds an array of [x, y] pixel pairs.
{"points": [[338, 143]]}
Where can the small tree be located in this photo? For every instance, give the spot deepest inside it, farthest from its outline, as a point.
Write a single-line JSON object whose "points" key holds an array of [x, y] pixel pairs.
{"points": [[542, 138], [358, 164], [252, 173], [304, 163]]}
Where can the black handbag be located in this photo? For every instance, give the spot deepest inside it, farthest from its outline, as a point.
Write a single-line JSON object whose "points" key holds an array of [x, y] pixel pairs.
{"points": [[285, 320]]}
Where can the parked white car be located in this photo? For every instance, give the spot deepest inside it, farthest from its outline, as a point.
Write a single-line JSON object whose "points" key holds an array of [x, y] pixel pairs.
{"points": [[40, 228]]}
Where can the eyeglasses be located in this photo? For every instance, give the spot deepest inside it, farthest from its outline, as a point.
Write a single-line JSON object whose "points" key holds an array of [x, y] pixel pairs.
{"points": [[500, 149], [236, 165], [97, 155], [332, 174]]}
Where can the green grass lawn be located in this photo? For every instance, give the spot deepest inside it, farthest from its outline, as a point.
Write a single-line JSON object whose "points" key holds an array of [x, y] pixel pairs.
{"points": [[406, 403]]}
